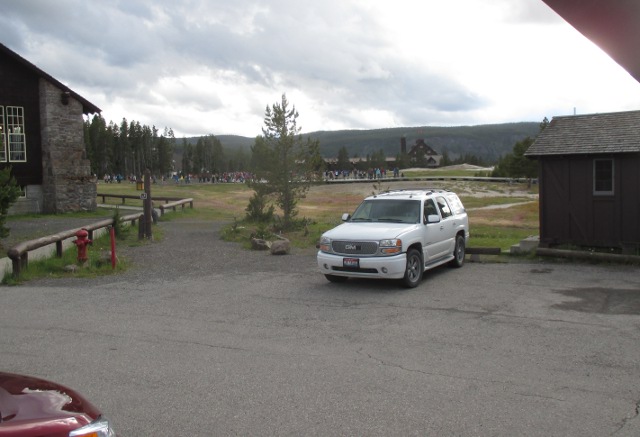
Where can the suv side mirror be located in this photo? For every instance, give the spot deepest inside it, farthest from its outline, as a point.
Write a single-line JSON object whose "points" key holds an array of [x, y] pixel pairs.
{"points": [[433, 218], [346, 216]]}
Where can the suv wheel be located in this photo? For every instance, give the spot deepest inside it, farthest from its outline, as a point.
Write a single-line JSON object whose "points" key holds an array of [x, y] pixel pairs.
{"points": [[458, 252], [414, 269]]}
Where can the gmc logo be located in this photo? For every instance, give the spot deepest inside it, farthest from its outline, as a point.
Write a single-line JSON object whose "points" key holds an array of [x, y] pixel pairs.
{"points": [[352, 247]]}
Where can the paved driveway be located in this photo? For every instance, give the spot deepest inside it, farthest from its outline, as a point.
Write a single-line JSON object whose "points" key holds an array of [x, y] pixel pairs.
{"points": [[202, 338]]}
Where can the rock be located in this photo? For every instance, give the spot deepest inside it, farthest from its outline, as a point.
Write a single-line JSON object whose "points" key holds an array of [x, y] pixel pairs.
{"points": [[71, 268], [280, 247], [259, 244]]}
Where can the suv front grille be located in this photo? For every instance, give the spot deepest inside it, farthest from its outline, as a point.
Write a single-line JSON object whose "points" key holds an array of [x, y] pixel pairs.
{"points": [[355, 247]]}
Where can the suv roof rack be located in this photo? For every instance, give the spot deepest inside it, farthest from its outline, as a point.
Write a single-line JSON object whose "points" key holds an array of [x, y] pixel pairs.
{"points": [[426, 190]]}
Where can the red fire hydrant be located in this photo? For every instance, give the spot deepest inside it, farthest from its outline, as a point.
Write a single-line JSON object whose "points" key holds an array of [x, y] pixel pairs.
{"points": [[82, 242]]}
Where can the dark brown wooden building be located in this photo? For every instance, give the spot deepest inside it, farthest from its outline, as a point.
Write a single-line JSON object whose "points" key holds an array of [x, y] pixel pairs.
{"points": [[421, 153], [42, 138], [590, 181]]}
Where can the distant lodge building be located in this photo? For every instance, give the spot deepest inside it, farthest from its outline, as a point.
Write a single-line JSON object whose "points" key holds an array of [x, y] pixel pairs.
{"points": [[420, 155], [42, 139]]}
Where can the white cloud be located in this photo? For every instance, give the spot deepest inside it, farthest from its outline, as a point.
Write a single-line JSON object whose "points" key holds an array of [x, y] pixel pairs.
{"points": [[213, 66]]}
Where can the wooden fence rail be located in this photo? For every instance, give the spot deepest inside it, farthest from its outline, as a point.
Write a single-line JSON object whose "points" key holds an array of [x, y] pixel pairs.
{"points": [[19, 253], [172, 205], [131, 196]]}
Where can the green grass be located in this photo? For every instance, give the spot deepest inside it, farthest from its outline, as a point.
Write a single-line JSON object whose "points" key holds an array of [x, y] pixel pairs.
{"points": [[321, 209], [99, 263], [99, 213], [503, 237], [489, 228]]}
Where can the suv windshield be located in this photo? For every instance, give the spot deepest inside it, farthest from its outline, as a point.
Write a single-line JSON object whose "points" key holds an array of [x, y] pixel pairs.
{"points": [[388, 210]]}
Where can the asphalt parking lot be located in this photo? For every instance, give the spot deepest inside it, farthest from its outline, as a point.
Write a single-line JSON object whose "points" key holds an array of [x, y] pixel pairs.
{"points": [[209, 339]]}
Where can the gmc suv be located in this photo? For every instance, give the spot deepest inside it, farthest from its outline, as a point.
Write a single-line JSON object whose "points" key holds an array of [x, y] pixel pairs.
{"points": [[396, 235]]}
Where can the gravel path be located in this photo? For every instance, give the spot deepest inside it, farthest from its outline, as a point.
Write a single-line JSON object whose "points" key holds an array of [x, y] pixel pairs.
{"points": [[187, 248]]}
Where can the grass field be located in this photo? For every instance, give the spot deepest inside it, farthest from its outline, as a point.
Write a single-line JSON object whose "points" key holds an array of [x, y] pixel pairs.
{"points": [[499, 214]]}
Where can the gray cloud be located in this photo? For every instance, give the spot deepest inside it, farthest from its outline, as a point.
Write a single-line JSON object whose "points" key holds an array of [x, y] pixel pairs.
{"points": [[165, 58]]}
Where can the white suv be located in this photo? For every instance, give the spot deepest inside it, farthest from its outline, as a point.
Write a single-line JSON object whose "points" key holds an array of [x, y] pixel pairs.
{"points": [[396, 235]]}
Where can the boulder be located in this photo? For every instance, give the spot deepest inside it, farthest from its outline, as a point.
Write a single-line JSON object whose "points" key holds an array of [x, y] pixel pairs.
{"points": [[259, 244], [280, 247]]}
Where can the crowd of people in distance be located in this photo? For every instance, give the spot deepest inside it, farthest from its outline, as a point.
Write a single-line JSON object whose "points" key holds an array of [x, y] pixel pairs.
{"points": [[371, 173], [181, 178], [243, 176]]}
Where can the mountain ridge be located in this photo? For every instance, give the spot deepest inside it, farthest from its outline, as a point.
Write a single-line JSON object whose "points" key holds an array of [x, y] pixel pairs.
{"points": [[489, 142]]}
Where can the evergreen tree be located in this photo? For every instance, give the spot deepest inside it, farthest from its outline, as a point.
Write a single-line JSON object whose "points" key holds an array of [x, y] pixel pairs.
{"points": [[315, 164], [125, 150], [515, 164], [187, 158], [343, 159], [279, 159], [445, 161], [128, 148], [378, 159], [165, 145]]}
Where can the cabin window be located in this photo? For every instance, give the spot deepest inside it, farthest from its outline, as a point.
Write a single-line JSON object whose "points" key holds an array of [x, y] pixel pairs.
{"points": [[603, 177], [15, 137], [3, 140], [13, 145]]}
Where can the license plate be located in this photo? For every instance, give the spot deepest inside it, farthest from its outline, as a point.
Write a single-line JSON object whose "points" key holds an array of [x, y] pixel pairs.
{"points": [[352, 263]]}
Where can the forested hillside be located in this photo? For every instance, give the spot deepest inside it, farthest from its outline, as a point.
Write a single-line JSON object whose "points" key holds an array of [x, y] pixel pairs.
{"points": [[487, 142], [128, 148]]}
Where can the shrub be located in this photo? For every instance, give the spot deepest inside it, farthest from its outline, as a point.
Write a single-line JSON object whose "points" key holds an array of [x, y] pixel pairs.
{"points": [[9, 193], [257, 210]]}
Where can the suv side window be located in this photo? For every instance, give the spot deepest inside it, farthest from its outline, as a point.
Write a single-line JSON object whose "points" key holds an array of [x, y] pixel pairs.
{"points": [[429, 209], [445, 211], [455, 204]]}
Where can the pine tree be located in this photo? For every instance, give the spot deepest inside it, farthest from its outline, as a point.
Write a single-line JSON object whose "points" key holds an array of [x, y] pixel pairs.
{"points": [[280, 159]]}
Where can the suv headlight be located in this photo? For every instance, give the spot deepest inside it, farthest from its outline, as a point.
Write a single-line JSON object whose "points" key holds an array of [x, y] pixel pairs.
{"points": [[98, 428], [390, 247], [325, 244]]}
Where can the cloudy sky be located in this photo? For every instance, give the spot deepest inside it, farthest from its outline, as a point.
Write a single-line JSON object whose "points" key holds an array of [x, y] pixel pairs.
{"points": [[212, 66]]}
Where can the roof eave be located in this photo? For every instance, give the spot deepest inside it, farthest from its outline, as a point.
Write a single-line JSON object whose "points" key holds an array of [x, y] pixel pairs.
{"points": [[87, 106]]}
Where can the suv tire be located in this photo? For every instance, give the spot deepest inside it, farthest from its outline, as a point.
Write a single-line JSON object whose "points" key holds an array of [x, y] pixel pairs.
{"points": [[413, 271], [458, 252]]}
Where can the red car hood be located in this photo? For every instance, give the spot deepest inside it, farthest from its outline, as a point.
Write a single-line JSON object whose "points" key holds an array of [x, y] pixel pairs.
{"points": [[34, 407]]}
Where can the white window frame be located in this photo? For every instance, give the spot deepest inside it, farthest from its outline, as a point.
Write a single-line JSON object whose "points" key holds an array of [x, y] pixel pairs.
{"points": [[598, 191], [3, 139], [16, 139]]}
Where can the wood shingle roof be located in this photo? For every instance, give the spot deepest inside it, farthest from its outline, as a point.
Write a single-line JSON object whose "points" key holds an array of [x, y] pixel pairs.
{"points": [[614, 132]]}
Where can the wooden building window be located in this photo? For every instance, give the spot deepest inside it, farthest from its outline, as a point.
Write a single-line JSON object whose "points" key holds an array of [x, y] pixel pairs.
{"points": [[603, 177], [16, 142], [3, 139]]}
